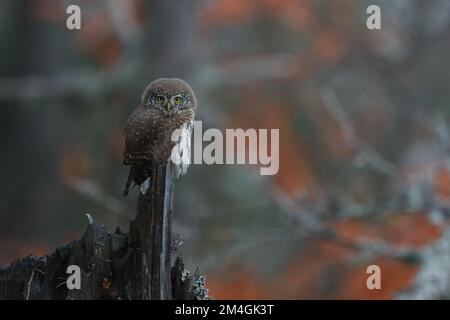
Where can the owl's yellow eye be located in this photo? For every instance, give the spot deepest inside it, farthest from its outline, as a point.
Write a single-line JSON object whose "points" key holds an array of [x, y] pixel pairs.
{"points": [[177, 100], [160, 99]]}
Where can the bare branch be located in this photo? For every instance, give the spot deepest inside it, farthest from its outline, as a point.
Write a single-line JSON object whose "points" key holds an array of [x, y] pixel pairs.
{"points": [[95, 192], [365, 154]]}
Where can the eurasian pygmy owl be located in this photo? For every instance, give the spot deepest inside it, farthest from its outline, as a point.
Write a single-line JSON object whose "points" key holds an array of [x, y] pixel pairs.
{"points": [[166, 105]]}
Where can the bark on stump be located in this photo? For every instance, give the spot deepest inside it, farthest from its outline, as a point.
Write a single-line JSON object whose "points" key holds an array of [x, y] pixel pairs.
{"points": [[115, 265]]}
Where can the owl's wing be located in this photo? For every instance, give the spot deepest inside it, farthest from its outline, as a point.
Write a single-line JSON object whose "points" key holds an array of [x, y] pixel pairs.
{"points": [[136, 140], [181, 155], [135, 153]]}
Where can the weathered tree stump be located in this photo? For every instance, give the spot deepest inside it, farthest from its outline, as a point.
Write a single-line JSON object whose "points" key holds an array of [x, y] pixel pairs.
{"points": [[116, 265], [151, 233]]}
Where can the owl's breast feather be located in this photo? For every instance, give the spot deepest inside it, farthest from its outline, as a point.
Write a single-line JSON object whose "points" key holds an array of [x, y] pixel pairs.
{"points": [[181, 151]]}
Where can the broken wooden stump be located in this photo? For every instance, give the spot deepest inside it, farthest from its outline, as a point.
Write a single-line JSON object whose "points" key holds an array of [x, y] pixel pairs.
{"points": [[151, 233], [124, 266]]}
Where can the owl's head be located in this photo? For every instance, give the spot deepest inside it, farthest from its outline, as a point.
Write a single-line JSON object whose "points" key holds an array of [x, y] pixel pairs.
{"points": [[170, 96]]}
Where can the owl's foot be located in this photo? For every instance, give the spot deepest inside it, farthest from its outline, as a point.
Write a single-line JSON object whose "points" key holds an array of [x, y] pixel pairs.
{"points": [[144, 186]]}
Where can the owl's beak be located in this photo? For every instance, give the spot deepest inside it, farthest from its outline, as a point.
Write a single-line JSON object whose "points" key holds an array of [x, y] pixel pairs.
{"points": [[168, 106]]}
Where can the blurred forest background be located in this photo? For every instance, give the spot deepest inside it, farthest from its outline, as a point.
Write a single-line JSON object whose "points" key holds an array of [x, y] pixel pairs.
{"points": [[364, 139]]}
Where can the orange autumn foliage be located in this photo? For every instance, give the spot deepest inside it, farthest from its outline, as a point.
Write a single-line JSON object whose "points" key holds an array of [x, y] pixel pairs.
{"points": [[12, 249], [74, 162], [328, 47], [442, 184], [226, 12], [327, 44], [295, 172], [99, 35], [396, 276], [305, 274], [48, 11], [401, 229], [297, 14], [322, 269]]}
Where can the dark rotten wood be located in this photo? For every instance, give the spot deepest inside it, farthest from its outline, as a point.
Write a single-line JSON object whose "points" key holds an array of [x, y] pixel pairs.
{"points": [[116, 265], [151, 232]]}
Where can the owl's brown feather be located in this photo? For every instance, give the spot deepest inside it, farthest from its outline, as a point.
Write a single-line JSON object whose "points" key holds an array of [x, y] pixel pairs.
{"points": [[149, 128]]}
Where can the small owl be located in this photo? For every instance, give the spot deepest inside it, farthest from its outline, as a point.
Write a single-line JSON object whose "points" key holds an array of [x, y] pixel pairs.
{"points": [[167, 106]]}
